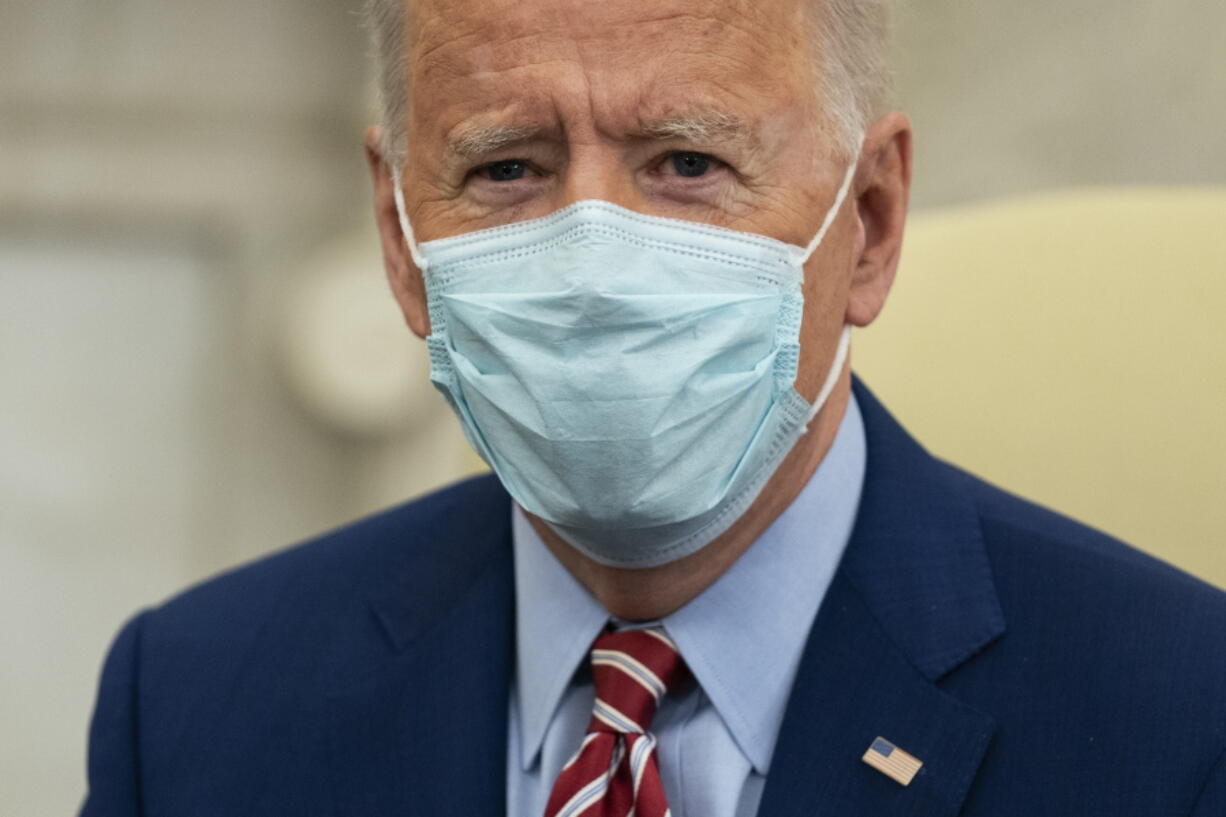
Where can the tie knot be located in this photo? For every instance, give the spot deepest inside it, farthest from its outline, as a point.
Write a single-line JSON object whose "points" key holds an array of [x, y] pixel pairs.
{"points": [[632, 670]]}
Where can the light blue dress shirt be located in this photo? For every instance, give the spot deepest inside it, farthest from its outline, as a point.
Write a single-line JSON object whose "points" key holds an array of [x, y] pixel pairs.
{"points": [[742, 638]]}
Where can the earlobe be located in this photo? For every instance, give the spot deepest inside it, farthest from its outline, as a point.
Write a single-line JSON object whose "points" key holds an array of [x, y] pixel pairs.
{"points": [[884, 190], [402, 274]]}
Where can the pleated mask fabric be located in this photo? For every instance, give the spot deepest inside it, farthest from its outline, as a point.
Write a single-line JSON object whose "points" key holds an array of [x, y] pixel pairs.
{"points": [[629, 378]]}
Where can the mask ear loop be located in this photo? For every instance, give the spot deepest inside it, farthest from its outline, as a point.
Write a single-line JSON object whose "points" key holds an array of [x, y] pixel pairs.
{"points": [[832, 377], [405, 227], [844, 348], [831, 215]]}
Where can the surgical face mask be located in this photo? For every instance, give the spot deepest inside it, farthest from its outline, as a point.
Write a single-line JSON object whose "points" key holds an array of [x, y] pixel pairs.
{"points": [[630, 379]]}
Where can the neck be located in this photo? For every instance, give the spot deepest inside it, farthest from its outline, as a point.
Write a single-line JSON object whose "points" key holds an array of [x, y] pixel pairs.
{"points": [[652, 593]]}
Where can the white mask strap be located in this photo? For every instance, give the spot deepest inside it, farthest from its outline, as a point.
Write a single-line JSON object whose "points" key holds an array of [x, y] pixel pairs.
{"points": [[832, 378], [405, 227], [836, 369], [833, 212]]}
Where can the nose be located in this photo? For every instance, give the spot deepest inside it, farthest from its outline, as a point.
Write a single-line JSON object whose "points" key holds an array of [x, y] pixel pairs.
{"points": [[599, 171]]}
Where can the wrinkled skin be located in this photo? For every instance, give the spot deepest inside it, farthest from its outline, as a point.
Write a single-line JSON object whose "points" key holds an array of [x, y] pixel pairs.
{"points": [[590, 96]]}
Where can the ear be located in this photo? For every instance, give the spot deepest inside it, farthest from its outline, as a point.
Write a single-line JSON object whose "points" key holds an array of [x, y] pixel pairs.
{"points": [[883, 183], [403, 275]]}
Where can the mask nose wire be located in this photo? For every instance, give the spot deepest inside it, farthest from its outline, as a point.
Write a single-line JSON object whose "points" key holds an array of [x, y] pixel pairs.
{"points": [[832, 214], [405, 227]]}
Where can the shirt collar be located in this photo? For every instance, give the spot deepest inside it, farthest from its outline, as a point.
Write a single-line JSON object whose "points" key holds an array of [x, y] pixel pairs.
{"points": [[556, 621], [742, 637]]}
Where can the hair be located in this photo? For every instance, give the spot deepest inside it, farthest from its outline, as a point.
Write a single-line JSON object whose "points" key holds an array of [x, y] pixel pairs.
{"points": [[852, 75]]}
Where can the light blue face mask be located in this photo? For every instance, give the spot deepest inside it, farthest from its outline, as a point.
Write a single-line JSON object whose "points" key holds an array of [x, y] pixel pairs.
{"points": [[628, 378]]}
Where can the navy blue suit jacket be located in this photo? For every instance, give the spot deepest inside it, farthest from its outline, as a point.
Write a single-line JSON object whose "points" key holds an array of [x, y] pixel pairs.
{"points": [[1036, 667]]}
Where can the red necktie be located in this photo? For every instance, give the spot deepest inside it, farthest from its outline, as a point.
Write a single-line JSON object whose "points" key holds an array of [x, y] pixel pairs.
{"points": [[615, 772]]}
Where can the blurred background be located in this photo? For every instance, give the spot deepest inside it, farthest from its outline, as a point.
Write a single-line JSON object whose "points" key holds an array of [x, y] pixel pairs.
{"points": [[199, 361]]}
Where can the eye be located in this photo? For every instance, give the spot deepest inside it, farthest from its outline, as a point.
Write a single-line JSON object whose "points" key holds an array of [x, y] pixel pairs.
{"points": [[691, 165], [508, 170]]}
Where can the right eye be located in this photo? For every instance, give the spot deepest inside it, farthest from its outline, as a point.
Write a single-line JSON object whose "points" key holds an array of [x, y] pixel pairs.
{"points": [[508, 170]]}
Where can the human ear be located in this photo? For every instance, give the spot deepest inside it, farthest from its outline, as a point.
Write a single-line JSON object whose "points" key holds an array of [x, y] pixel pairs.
{"points": [[883, 186], [402, 274]]}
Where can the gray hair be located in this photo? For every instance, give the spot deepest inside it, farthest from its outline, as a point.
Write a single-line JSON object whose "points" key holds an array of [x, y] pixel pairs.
{"points": [[852, 77], [853, 73]]}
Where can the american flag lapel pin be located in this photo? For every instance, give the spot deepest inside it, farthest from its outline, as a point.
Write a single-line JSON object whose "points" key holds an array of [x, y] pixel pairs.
{"points": [[891, 761]]}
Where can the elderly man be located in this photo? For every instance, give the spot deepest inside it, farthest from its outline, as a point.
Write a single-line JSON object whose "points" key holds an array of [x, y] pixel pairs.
{"points": [[711, 577]]}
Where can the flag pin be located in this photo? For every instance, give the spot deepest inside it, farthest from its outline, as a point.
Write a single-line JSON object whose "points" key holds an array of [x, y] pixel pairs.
{"points": [[891, 761]]}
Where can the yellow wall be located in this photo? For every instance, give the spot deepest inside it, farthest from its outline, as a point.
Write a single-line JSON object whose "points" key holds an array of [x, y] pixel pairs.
{"points": [[1071, 347]]}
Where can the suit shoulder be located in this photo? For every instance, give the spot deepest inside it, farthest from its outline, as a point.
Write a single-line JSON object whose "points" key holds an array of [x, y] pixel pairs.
{"points": [[330, 569], [247, 659], [1101, 641], [1082, 571]]}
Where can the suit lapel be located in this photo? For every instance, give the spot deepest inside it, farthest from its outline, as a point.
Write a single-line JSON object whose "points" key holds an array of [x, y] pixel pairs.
{"points": [[912, 600], [420, 727], [854, 686]]}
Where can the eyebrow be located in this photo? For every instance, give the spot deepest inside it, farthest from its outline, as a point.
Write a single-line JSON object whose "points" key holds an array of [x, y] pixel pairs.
{"points": [[704, 128], [479, 140], [700, 128]]}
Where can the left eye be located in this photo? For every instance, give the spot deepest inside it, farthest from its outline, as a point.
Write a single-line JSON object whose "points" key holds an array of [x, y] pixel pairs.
{"points": [[506, 171], [691, 165]]}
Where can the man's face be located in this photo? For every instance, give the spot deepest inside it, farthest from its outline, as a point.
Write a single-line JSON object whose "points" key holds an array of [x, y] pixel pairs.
{"points": [[598, 97], [705, 112]]}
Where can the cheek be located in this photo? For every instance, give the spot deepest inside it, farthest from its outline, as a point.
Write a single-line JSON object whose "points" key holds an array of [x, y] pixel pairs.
{"points": [[762, 209], [438, 216], [827, 286], [829, 268], [823, 311], [783, 203], [819, 336]]}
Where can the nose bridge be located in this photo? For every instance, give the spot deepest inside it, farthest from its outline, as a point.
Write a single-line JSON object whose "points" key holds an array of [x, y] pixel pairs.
{"points": [[596, 169]]}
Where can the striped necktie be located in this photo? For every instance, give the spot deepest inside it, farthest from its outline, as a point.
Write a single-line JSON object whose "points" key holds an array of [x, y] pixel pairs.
{"points": [[614, 773]]}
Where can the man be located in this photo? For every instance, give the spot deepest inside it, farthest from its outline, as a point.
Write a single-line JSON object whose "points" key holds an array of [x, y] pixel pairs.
{"points": [[712, 576]]}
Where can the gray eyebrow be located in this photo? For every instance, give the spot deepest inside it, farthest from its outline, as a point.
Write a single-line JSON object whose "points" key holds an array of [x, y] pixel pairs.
{"points": [[713, 127], [708, 128], [480, 140]]}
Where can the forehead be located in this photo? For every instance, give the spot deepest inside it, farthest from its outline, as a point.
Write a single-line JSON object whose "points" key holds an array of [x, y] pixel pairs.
{"points": [[620, 60]]}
